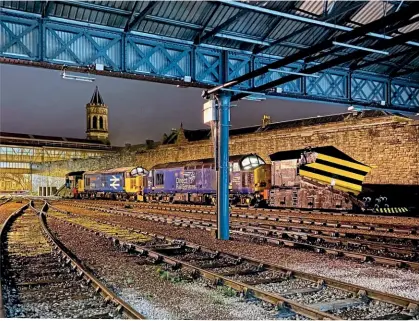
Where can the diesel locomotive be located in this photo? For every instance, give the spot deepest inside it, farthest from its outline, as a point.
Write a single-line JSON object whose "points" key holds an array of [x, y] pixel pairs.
{"points": [[311, 178]]}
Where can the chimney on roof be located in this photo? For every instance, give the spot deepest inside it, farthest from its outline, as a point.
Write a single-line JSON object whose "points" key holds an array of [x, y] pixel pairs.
{"points": [[266, 120]]}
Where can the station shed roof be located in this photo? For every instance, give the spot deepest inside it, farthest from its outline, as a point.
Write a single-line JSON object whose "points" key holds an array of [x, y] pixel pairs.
{"points": [[269, 28]]}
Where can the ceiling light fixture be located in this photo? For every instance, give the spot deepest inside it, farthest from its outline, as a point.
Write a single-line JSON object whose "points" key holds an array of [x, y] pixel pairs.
{"points": [[360, 48], [64, 75], [294, 73]]}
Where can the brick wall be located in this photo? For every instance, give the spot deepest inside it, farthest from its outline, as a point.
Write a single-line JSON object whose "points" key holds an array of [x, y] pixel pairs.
{"points": [[389, 144]]}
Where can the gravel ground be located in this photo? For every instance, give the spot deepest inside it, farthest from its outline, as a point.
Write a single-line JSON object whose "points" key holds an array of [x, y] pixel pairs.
{"points": [[7, 209], [387, 279], [139, 282]]}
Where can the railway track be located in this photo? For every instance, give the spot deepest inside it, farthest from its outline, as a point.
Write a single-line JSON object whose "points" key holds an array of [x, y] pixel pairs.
{"points": [[292, 292], [364, 250], [270, 224], [40, 278], [300, 218], [4, 201]]}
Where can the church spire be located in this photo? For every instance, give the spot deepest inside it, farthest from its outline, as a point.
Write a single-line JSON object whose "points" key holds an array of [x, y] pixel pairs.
{"points": [[96, 98]]}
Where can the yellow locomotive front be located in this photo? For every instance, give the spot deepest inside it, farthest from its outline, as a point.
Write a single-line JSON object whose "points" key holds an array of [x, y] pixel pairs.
{"points": [[262, 181], [134, 182]]}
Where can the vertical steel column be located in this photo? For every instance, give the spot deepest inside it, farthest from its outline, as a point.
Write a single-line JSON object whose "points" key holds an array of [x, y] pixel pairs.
{"points": [[223, 210]]}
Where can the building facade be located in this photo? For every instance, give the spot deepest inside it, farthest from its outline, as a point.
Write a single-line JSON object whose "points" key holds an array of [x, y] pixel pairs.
{"points": [[25, 159]]}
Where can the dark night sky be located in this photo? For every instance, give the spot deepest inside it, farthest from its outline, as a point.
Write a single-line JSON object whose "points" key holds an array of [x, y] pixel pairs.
{"points": [[38, 101]]}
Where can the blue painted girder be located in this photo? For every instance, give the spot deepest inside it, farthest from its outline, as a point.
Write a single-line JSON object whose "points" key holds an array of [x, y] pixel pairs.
{"points": [[31, 38]]}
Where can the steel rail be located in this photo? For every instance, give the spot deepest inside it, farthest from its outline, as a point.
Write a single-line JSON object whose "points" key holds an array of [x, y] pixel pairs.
{"points": [[6, 201], [304, 233], [3, 233], [216, 278], [77, 266], [409, 304], [206, 209], [277, 226], [282, 240], [308, 221]]}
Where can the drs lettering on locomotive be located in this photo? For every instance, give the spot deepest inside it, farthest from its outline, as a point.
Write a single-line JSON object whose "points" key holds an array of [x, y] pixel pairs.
{"points": [[187, 182]]}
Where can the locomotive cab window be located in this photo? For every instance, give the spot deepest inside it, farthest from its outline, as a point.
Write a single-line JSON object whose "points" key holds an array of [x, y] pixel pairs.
{"points": [[138, 171], [251, 161]]}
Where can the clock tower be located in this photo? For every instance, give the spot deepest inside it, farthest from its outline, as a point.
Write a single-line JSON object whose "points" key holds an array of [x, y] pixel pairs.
{"points": [[97, 119]]}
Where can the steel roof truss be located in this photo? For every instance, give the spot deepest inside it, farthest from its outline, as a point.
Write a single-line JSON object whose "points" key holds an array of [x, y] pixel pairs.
{"points": [[222, 26], [141, 16], [384, 59], [201, 32], [384, 44], [402, 15]]}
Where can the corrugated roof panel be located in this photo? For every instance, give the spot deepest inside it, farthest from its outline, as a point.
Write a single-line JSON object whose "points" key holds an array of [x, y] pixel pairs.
{"points": [[229, 43], [314, 7], [223, 13], [281, 51], [372, 11], [251, 23], [283, 6], [286, 27], [148, 26], [309, 37], [414, 62], [411, 27]]}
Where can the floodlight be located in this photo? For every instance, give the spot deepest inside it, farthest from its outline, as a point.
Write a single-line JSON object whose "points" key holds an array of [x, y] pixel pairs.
{"points": [[64, 75]]}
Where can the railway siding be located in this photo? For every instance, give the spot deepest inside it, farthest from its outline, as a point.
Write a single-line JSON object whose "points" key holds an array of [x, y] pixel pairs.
{"points": [[36, 274], [388, 255], [174, 254], [397, 281]]}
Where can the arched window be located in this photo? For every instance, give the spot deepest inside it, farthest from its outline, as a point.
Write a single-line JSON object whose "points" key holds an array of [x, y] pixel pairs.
{"points": [[89, 122], [94, 122], [100, 122]]}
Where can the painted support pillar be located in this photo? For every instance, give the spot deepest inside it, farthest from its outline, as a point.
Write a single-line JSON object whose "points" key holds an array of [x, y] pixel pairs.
{"points": [[223, 210]]}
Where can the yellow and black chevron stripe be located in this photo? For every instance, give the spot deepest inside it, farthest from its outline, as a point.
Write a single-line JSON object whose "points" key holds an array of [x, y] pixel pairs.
{"points": [[391, 210], [347, 174]]}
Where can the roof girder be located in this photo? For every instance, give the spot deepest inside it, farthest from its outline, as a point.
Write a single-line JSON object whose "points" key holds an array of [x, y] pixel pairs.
{"points": [[206, 22], [406, 72], [46, 7], [304, 19], [296, 32], [384, 59], [225, 24], [141, 15], [401, 15], [383, 44], [403, 64]]}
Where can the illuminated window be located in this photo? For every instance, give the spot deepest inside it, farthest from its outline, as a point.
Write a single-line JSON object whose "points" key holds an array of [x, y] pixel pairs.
{"points": [[139, 171], [251, 161]]}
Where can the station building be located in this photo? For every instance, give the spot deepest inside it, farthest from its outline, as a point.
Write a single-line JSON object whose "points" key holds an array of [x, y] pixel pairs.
{"points": [[23, 156]]}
